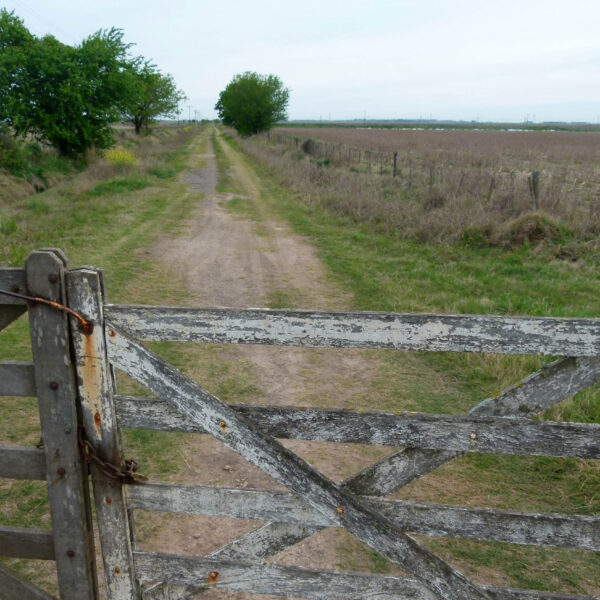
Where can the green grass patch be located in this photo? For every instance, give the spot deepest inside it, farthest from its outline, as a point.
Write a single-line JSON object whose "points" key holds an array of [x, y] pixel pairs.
{"points": [[119, 185], [236, 205], [225, 181], [282, 299], [164, 172]]}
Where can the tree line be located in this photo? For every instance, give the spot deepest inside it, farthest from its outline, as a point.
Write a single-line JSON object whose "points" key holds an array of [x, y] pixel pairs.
{"points": [[69, 96]]}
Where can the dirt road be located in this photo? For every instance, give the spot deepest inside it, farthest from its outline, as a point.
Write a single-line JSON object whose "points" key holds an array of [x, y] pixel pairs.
{"points": [[227, 258]]}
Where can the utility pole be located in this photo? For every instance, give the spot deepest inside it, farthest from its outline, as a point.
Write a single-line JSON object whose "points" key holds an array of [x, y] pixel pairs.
{"points": [[189, 112]]}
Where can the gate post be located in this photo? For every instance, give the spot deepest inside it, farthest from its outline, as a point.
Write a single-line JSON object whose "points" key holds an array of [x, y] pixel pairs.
{"points": [[66, 471], [86, 296]]}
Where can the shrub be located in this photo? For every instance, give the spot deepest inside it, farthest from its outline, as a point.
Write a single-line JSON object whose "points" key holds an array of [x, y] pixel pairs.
{"points": [[531, 229], [120, 158], [309, 147]]}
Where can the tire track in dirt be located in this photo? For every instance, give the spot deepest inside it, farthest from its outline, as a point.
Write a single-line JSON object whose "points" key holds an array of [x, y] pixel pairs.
{"points": [[227, 259]]}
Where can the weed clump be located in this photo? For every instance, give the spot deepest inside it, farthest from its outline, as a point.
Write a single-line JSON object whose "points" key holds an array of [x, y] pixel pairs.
{"points": [[531, 229]]}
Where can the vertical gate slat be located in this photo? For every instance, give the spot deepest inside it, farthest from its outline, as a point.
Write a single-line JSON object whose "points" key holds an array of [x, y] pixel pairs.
{"points": [[66, 472], [85, 291]]}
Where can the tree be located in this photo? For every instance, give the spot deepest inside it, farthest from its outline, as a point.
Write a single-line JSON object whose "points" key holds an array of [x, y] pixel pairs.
{"points": [[152, 94], [65, 95], [252, 103]]}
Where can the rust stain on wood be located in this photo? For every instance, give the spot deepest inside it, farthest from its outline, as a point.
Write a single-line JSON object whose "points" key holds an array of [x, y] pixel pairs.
{"points": [[91, 382]]}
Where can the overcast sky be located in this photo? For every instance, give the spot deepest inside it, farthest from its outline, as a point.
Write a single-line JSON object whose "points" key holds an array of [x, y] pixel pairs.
{"points": [[448, 59]]}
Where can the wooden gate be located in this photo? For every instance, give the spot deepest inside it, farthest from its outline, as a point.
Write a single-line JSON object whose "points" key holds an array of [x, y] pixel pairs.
{"points": [[423, 443]]}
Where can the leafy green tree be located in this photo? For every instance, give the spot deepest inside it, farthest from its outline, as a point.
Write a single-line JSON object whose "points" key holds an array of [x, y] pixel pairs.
{"points": [[153, 94], [65, 95], [252, 103], [15, 44]]}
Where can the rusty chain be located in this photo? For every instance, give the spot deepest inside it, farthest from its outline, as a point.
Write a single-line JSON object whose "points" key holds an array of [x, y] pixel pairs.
{"points": [[126, 472], [87, 327]]}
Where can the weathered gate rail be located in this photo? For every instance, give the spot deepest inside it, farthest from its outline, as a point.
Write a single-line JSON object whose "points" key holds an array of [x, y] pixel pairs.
{"points": [[424, 442]]}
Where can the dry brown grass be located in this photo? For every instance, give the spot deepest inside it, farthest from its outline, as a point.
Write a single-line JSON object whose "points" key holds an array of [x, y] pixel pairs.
{"points": [[449, 184]]}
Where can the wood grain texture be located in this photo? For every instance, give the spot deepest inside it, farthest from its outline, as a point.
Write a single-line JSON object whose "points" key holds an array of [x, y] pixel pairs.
{"points": [[17, 379], [305, 583], [18, 462], [12, 280], [567, 531], [264, 542], [14, 587], [496, 435], [66, 471], [84, 288], [440, 333], [290, 582], [18, 542]]}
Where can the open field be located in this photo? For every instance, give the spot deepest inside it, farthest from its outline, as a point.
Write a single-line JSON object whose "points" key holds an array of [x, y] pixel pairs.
{"points": [[450, 185]]}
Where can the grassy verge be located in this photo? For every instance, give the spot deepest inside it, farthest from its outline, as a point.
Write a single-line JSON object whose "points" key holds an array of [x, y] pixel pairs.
{"points": [[391, 274], [103, 216]]}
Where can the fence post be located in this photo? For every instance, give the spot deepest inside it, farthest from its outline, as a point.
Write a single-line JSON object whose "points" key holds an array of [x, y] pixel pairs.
{"points": [[86, 296], [534, 188], [395, 163], [66, 471]]}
